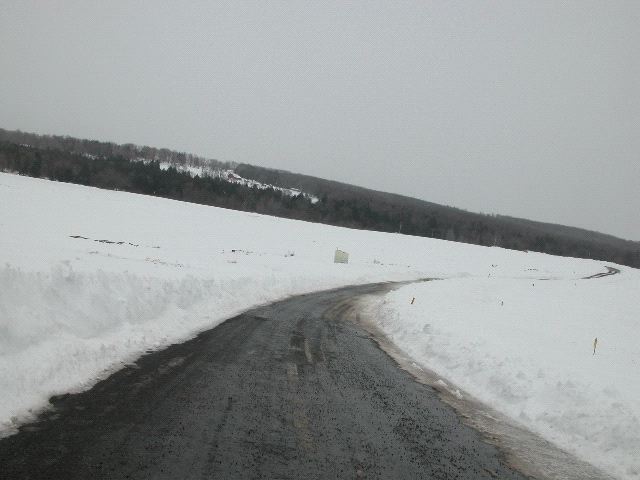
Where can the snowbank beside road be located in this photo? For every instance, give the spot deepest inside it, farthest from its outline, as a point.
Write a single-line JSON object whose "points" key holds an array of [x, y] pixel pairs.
{"points": [[61, 330], [525, 347]]}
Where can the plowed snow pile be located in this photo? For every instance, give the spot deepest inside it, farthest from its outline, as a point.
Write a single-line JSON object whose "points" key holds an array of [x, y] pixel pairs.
{"points": [[90, 279], [526, 347]]}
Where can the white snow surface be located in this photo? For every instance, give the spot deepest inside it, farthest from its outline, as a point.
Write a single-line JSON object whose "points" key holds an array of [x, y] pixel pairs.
{"points": [[72, 310], [525, 347]]}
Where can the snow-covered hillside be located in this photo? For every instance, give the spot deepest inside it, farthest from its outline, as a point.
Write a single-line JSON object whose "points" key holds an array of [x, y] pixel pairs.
{"points": [[232, 177], [90, 279]]}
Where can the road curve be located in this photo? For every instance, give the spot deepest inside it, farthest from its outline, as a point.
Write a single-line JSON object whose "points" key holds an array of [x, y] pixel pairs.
{"points": [[289, 390], [610, 271]]}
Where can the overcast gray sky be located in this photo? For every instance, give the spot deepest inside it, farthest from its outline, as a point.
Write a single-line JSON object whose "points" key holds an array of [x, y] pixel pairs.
{"points": [[529, 109]]}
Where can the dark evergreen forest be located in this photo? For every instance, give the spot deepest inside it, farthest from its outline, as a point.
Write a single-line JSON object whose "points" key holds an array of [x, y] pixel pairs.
{"points": [[137, 169]]}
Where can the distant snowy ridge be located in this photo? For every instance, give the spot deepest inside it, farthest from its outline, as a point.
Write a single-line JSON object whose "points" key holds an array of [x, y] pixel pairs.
{"points": [[230, 176], [199, 167]]}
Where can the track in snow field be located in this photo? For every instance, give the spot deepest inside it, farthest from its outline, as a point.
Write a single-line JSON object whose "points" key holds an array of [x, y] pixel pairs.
{"points": [[289, 390]]}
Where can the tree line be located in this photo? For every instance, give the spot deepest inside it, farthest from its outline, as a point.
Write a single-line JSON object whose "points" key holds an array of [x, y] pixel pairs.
{"points": [[138, 169], [116, 172], [95, 148]]}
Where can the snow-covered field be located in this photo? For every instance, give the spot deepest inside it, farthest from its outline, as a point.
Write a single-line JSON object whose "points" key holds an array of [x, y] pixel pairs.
{"points": [[90, 279], [525, 347]]}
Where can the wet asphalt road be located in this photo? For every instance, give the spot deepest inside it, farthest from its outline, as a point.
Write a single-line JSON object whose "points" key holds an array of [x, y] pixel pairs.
{"points": [[291, 390]]}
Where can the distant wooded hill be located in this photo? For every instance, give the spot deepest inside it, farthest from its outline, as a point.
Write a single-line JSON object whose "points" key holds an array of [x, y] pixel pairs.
{"points": [[138, 169]]}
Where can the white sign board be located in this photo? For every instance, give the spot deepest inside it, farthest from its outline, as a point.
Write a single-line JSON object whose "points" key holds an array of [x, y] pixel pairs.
{"points": [[341, 257]]}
